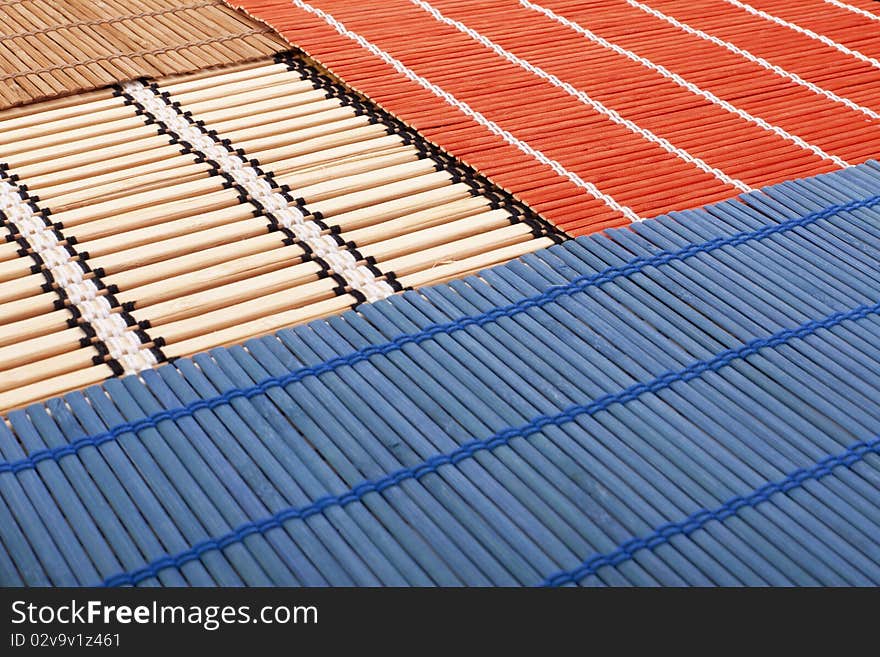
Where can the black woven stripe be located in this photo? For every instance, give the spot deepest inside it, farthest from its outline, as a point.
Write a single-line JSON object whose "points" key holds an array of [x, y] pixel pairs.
{"points": [[460, 171], [228, 182]]}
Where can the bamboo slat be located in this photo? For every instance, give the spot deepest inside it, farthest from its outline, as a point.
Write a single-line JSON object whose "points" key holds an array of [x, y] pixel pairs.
{"points": [[176, 200], [62, 47]]}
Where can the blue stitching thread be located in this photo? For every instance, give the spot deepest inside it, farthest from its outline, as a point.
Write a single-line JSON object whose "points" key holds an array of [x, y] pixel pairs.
{"points": [[665, 533], [549, 295], [467, 450]]}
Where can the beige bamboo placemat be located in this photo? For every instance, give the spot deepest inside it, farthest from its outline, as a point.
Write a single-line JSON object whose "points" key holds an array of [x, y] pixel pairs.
{"points": [[50, 48], [158, 219]]}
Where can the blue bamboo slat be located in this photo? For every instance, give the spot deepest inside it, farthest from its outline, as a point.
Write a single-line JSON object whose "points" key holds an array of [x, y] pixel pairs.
{"points": [[693, 400]]}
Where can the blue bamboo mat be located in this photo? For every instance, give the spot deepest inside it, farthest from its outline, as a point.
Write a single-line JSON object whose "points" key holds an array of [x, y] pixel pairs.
{"points": [[694, 400]]}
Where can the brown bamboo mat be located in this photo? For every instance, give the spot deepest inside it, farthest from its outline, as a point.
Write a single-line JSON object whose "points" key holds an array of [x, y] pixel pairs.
{"points": [[56, 47], [156, 220]]}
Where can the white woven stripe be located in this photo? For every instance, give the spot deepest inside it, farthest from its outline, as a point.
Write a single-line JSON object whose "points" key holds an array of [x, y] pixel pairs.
{"points": [[802, 30], [110, 328], [760, 61], [466, 109], [610, 113], [359, 277], [680, 81], [855, 10]]}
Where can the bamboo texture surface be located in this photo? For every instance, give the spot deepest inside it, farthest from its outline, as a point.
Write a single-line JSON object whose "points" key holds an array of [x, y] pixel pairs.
{"points": [[601, 113], [59, 47], [693, 401], [157, 220]]}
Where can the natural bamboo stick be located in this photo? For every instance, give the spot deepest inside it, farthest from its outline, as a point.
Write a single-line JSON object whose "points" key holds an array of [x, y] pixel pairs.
{"points": [[211, 78], [13, 311], [21, 286], [17, 118], [202, 282], [103, 249], [53, 385], [304, 295], [203, 189], [457, 249], [396, 207], [17, 268], [239, 332], [33, 327], [83, 147], [458, 268], [99, 160], [14, 357], [98, 117], [433, 216], [289, 280], [473, 226], [229, 118], [151, 176], [102, 130], [225, 199]]}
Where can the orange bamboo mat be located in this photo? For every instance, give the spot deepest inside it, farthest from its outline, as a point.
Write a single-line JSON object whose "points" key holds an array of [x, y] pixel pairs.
{"points": [[599, 113], [50, 48]]}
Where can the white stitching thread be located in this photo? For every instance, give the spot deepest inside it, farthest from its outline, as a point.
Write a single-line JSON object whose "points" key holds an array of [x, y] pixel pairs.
{"points": [[680, 81], [778, 70], [306, 231], [611, 114], [123, 345], [856, 10], [466, 109], [802, 30]]}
